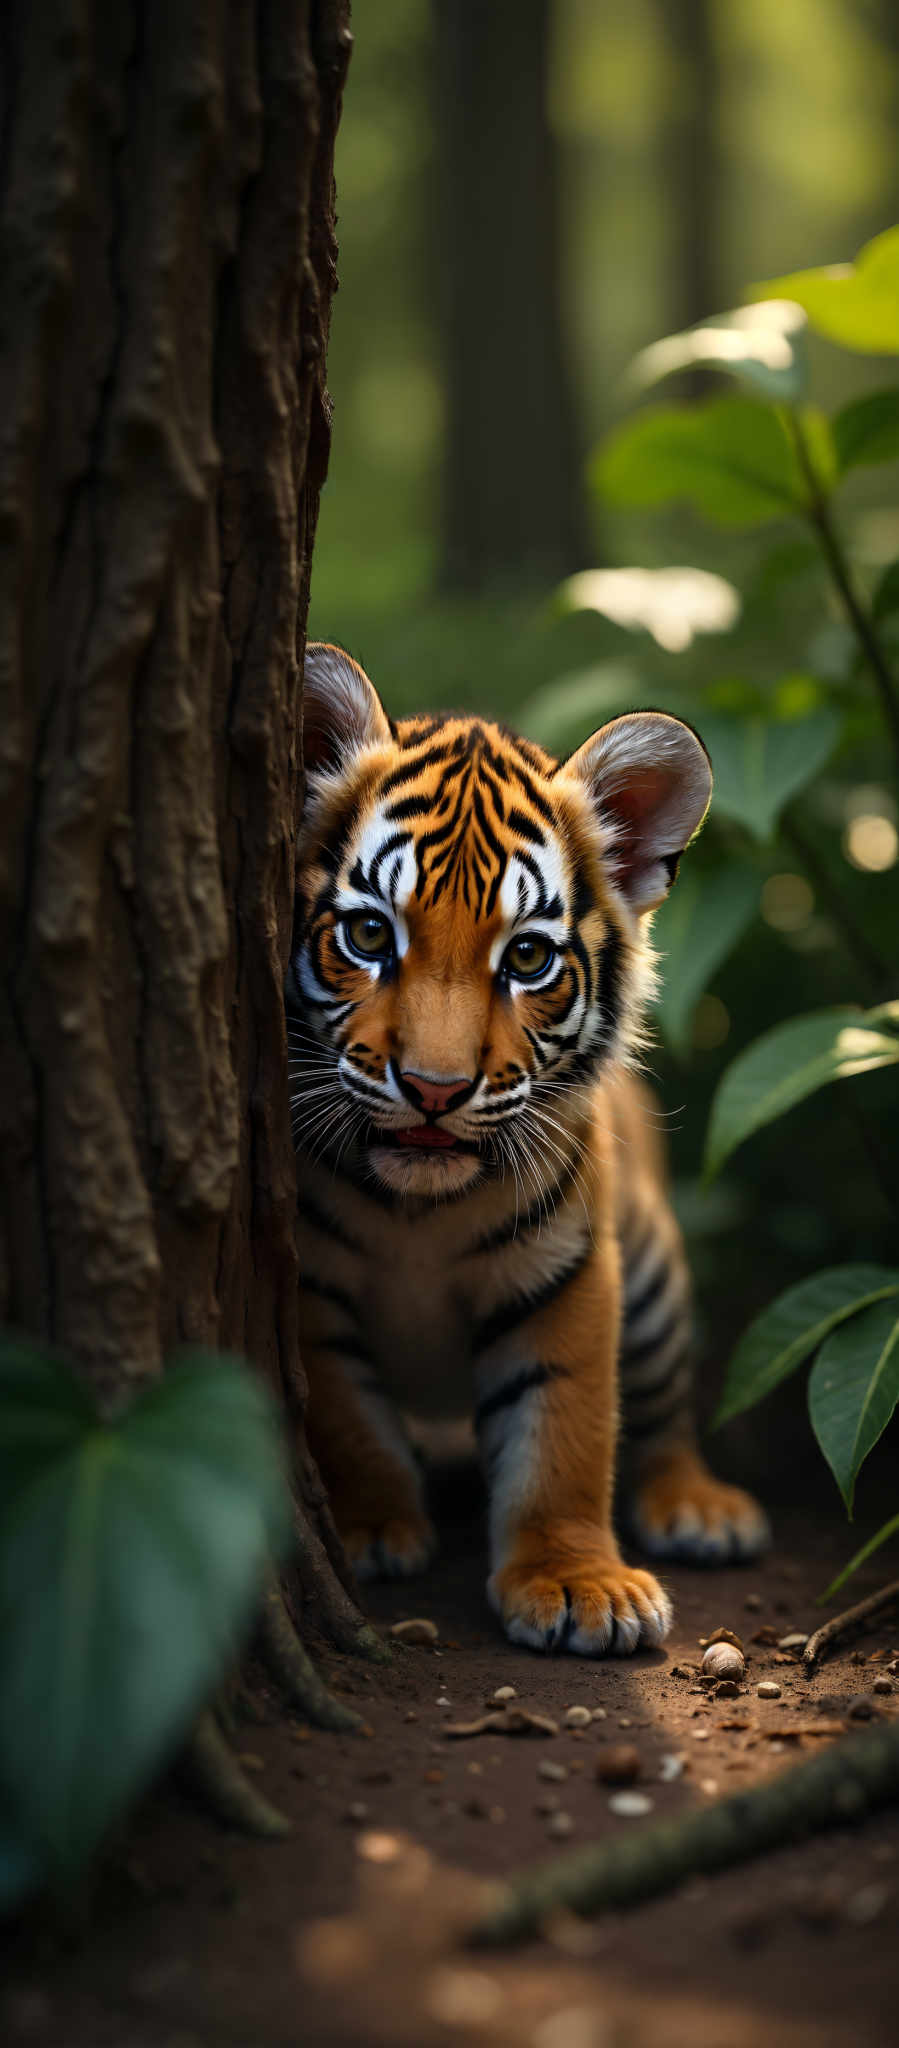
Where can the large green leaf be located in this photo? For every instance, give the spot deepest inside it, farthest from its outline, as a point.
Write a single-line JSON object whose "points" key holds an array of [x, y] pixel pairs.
{"points": [[763, 345], [857, 303], [698, 925], [789, 1063], [731, 458], [886, 596], [867, 430], [759, 763], [890, 1528], [792, 1327], [131, 1553], [853, 1390]]}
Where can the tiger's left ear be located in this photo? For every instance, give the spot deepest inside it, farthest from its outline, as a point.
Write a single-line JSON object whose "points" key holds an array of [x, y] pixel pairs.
{"points": [[650, 779]]}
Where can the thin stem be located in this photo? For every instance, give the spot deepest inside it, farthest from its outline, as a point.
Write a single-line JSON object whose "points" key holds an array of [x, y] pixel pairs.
{"points": [[819, 515], [866, 956]]}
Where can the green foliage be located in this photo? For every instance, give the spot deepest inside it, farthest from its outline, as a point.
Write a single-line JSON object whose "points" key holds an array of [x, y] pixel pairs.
{"points": [[697, 927], [759, 763], [853, 1390], [883, 1534], [791, 1062], [131, 1553], [855, 304], [762, 345], [791, 1328], [867, 431], [730, 458]]}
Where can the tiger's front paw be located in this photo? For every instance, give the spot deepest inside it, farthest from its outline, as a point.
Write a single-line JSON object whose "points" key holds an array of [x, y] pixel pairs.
{"points": [[682, 1512], [586, 1601], [395, 1549]]}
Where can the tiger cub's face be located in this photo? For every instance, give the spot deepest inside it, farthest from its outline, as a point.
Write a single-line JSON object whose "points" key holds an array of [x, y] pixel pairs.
{"points": [[471, 940]]}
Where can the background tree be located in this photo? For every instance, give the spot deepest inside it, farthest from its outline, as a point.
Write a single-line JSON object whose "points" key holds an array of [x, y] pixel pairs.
{"points": [[169, 261]]}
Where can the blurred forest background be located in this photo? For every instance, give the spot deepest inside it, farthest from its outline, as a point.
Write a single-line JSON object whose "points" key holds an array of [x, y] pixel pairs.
{"points": [[529, 194]]}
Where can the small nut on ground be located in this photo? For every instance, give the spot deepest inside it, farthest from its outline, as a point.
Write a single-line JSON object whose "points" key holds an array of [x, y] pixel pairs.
{"points": [[618, 1764], [882, 1685], [577, 1717], [631, 1805], [552, 1771], [721, 1635], [417, 1630], [559, 1824], [504, 1693], [723, 1660], [768, 1689]]}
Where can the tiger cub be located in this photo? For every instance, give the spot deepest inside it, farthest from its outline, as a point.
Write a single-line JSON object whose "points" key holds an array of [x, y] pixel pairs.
{"points": [[483, 1213]]}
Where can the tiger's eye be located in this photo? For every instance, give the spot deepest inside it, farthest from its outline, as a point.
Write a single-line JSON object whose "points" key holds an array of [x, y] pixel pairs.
{"points": [[528, 956], [368, 934]]}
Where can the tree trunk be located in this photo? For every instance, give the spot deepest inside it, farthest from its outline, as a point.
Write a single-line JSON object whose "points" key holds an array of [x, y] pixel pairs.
{"points": [[513, 491], [166, 185], [693, 171]]}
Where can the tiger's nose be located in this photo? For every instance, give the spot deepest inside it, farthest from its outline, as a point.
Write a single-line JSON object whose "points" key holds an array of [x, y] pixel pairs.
{"points": [[434, 1093]]}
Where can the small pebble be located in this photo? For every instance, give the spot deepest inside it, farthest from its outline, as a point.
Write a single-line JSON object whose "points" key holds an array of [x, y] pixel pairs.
{"points": [[598, 1714], [631, 1805], [861, 1708], [577, 1717], [721, 1635], [618, 1764], [357, 1813], [768, 1689], [559, 1824], [552, 1771], [752, 1602], [417, 1630], [624, 1722], [882, 1685], [866, 1905], [727, 1689], [442, 1700], [709, 1786], [504, 1693], [547, 1803], [671, 1767], [411, 1716], [796, 1641]]}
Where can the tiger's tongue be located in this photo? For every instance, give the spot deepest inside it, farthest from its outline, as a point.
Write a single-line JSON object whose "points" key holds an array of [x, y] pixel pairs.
{"points": [[429, 1136]]}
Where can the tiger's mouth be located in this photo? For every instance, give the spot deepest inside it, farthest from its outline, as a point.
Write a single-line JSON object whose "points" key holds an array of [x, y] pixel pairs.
{"points": [[423, 1138]]}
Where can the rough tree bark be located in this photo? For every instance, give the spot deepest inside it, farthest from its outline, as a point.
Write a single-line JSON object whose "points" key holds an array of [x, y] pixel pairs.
{"points": [[166, 188], [513, 490]]}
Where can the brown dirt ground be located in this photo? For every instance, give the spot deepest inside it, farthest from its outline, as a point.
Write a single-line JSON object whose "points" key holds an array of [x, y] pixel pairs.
{"points": [[198, 1937]]}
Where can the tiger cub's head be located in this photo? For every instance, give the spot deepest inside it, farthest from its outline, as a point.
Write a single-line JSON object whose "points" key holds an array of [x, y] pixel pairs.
{"points": [[471, 938]]}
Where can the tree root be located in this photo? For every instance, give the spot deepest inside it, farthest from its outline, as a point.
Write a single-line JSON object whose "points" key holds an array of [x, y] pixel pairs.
{"points": [[339, 1615], [851, 1623], [294, 1671], [844, 1784], [211, 1769]]}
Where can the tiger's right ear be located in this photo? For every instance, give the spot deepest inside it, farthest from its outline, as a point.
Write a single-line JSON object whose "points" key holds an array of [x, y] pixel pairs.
{"points": [[342, 711]]}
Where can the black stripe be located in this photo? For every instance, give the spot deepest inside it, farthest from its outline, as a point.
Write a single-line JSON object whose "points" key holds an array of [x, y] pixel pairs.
{"points": [[410, 769], [409, 807], [652, 1388], [649, 1293], [680, 1399], [633, 1354], [507, 1317], [518, 821], [324, 1292], [533, 794], [346, 1347], [525, 1382], [609, 990], [311, 1212]]}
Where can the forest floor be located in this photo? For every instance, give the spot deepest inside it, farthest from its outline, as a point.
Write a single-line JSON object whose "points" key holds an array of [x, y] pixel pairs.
{"points": [[347, 1932]]}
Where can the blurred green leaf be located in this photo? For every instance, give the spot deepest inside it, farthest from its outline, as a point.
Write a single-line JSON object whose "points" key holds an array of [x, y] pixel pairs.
{"points": [[867, 430], [131, 1553], [762, 345], [697, 926], [792, 1327], [853, 1390], [566, 711], [789, 1063], [759, 763], [856, 304], [886, 597], [729, 457], [890, 1528]]}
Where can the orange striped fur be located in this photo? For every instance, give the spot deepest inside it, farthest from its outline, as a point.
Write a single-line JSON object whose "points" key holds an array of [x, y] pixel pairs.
{"points": [[483, 1214]]}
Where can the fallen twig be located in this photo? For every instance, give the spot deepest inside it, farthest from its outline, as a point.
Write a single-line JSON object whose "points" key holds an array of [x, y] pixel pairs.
{"points": [[844, 1784], [212, 1770], [851, 1623]]}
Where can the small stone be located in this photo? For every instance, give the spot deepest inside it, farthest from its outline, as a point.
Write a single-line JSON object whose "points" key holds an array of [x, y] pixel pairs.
{"points": [[618, 1764], [723, 1660], [624, 1722], [630, 1805], [560, 1824], [768, 1689], [357, 1813], [862, 1708], [553, 1772], [442, 1700], [752, 1603], [411, 1716], [709, 1786], [866, 1905], [721, 1635], [503, 1694], [700, 1734], [416, 1630], [671, 1767], [433, 1777], [882, 1685], [476, 1770], [547, 1803], [598, 1714], [796, 1641], [577, 1717], [727, 1689]]}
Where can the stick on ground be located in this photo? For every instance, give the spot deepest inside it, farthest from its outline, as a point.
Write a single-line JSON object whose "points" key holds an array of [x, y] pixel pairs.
{"points": [[851, 1623], [850, 1780]]}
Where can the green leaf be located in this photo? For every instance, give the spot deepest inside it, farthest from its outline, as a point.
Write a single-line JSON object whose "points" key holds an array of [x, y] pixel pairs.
{"points": [[886, 596], [856, 304], [731, 458], [763, 345], [792, 1327], [758, 764], [695, 929], [867, 431], [786, 1065], [890, 1528], [564, 712], [131, 1554], [853, 1390]]}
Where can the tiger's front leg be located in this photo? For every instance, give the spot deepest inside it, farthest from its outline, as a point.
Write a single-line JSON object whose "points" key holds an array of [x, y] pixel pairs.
{"points": [[547, 1420]]}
